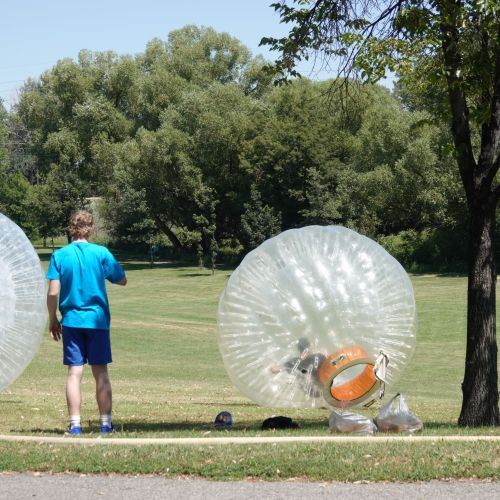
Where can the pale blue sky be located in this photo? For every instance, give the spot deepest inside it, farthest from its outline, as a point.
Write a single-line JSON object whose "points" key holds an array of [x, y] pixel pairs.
{"points": [[34, 34]]}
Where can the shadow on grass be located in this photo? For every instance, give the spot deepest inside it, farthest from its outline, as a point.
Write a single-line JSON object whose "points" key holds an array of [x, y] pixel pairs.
{"points": [[440, 425], [140, 265], [135, 263], [22, 432], [238, 426], [126, 427], [146, 427], [439, 274], [133, 427], [131, 265], [45, 257], [313, 427], [223, 405], [196, 275]]}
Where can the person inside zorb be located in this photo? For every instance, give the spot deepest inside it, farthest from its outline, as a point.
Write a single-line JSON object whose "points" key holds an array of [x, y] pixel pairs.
{"points": [[304, 369], [316, 316]]}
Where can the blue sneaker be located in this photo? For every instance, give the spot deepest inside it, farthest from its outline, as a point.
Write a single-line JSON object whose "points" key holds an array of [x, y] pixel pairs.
{"points": [[74, 430], [106, 429]]}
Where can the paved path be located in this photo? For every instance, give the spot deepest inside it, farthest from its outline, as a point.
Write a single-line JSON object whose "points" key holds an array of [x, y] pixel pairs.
{"points": [[15, 486]]}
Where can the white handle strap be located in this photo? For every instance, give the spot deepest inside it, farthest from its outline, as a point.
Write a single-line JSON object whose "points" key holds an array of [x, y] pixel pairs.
{"points": [[380, 370]]}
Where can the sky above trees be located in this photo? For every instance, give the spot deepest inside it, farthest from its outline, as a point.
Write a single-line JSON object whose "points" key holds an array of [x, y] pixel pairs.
{"points": [[55, 29], [35, 35]]}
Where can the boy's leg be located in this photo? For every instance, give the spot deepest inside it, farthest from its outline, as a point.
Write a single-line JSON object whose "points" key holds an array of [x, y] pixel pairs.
{"points": [[99, 355], [103, 393], [73, 389], [74, 356]]}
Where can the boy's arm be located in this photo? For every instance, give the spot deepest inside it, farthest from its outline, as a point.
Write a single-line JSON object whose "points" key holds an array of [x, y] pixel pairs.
{"points": [[52, 296], [113, 271]]}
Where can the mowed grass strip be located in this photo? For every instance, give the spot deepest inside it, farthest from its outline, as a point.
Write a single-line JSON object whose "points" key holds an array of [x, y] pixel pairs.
{"points": [[313, 462], [169, 381]]}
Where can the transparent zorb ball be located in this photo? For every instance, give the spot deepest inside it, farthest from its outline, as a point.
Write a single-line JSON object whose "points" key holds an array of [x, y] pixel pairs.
{"points": [[22, 302], [306, 316]]}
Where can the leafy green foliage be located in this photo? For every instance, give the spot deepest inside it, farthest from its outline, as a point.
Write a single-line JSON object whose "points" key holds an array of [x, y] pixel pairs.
{"points": [[259, 222], [54, 201], [15, 195], [190, 139], [3, 134]]}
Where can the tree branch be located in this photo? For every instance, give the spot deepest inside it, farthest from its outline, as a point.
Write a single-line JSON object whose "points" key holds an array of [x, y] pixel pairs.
{"points": [[490, 136], [162, 226], [459, 110], [496, 189]]}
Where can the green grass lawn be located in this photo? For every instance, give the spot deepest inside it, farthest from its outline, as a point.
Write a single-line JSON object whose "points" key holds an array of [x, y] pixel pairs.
{"points": [[169, 381]]}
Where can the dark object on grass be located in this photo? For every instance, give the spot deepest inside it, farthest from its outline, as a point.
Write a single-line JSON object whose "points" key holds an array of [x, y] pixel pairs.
{"points": [[279, 423], [223, 420]]}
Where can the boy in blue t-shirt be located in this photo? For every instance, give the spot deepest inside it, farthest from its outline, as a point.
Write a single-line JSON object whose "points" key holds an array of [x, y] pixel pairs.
{"points": [[78, 274]]}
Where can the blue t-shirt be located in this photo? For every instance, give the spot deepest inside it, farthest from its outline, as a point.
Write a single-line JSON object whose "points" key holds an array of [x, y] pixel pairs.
{"points": [[82, 269]]}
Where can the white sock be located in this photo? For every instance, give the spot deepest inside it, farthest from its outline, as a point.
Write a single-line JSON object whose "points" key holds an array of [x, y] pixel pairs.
{"points": [[106, 420], [74, 421]]}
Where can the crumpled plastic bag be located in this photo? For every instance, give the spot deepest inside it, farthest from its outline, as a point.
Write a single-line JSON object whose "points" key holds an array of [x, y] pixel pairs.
{"points": [[351, 422], [397, 418]]}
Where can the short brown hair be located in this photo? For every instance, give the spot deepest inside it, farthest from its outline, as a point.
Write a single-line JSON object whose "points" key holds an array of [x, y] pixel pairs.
{"points": [[81, 224]]}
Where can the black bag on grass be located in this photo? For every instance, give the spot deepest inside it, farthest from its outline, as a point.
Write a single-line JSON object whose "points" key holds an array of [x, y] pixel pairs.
{"points": [[279, 423]]}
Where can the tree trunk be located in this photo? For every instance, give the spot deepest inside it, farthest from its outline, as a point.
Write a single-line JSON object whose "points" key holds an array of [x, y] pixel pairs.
{"points": [[169, 234], [480, 385]]}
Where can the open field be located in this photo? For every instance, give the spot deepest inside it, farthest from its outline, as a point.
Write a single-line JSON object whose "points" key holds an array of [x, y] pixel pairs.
{"points": [[169, 381]]}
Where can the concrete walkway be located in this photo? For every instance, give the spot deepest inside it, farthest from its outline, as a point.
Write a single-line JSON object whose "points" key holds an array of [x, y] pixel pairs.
{"points": [[117, 487]]}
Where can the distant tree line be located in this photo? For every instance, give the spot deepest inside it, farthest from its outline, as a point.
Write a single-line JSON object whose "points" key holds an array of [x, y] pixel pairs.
{"points": [[191, 143]]}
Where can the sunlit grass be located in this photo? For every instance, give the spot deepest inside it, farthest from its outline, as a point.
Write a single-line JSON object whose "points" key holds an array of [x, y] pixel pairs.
{"points": [[169, 381]]}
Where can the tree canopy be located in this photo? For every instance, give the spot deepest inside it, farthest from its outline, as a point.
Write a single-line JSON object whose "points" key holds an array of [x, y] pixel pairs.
{"points": [[191, 139]]}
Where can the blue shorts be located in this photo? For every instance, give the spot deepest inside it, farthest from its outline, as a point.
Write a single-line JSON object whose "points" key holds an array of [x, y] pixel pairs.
{"points": [[86, 345]]}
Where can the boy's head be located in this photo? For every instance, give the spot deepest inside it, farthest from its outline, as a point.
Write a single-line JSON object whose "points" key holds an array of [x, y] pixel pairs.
{"points": [[81, 225]]}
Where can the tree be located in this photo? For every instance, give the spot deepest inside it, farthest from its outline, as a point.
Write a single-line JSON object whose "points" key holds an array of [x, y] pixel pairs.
{"points": [[86, 116], [216, 120], [126, 215], [259, 222], [458, 41], [201, 55], [402, 175], [296, 153], [158, 165], [54, 201], [3, 135], [15, 200], [15, 190]]}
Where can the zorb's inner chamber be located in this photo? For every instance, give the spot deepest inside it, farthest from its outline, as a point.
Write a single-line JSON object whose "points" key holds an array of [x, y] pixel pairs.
{"points": [[22, 302], [311, 315]]}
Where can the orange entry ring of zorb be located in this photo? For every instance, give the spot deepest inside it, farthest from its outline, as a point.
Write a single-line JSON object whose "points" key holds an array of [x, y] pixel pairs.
{"points": [[355, 389]]}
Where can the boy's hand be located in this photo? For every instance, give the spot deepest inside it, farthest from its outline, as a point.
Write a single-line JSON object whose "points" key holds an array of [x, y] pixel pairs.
{"points": [[55, 329], [52, 294]]}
